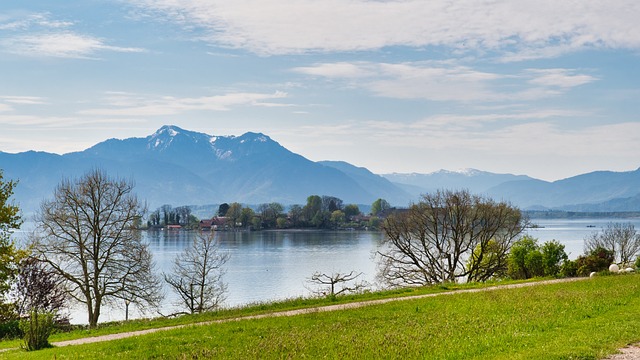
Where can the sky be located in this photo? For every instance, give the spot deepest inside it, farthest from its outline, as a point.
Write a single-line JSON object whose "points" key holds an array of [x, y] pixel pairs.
{"points": [[550, 89]]}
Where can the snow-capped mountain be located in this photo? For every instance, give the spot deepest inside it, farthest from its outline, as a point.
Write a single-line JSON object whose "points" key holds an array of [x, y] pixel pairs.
{"points": [[181, 167]]}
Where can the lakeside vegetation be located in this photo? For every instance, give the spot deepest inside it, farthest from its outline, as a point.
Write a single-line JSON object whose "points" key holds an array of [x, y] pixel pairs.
{"points": [[573, 320]]}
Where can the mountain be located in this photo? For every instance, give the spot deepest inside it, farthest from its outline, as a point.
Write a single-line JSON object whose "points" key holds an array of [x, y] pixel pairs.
{"points": [[176, 166], [376, 184], [600, 191], [474, 180], [595, 191]]}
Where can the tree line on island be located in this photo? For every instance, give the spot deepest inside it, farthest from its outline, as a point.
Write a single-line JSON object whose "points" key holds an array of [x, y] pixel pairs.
{"points": [[86, 249], [320, 212]]}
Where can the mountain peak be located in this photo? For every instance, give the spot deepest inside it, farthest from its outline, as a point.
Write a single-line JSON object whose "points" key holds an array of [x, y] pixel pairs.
{"points": [[169, 135]]}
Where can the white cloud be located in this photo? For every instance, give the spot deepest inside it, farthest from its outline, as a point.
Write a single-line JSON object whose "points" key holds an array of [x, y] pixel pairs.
{"points": [[24, 100], [126, 104], [520, 30], [563, 78], [17, 21], [441, 81], [62, 45]]}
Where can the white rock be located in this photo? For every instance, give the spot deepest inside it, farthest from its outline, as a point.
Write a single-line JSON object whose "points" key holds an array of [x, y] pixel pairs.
{"points": [[629, 269], [593, 274], [614, 268]]}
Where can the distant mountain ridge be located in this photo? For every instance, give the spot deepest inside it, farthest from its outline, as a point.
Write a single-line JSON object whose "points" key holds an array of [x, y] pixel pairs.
{"points": [[177, 166], [180, 167]]}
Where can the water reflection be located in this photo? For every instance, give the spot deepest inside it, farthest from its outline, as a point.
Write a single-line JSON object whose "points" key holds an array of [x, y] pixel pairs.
{"points": [[270, 265]]}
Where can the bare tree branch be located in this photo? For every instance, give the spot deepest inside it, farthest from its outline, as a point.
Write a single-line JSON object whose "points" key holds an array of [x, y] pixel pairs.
{"points": [[86, 235], [197, 275]]}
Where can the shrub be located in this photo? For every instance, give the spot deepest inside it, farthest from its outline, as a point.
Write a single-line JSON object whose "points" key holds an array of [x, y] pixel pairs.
{"points": [[638, 263], [37, 329], [569, 269], [597, 260], [10, 329]]}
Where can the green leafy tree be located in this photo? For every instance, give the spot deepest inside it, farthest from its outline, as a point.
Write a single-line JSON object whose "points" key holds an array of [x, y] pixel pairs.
{"points": [[10, 256], [350, 211], [234, 213], [553, 258], [490, 262], [313, 210], [337, 218], [270, 213], [379, 206], [222, 209], [246, 216], [525, 259]]}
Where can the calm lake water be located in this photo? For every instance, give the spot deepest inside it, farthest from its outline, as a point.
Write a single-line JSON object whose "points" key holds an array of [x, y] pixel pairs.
{"points": [[272, 265]]}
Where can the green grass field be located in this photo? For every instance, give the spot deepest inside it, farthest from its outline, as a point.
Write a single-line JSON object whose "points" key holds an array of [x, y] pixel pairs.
{"points": [[577, 320]]}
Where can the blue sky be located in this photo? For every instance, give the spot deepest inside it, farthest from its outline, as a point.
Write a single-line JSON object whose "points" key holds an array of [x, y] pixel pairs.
{"points": [[545, 88]]}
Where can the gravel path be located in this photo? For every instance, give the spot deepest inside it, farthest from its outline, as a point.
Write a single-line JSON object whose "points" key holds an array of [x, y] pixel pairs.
{"points": [[631, 352], [628, 353]]}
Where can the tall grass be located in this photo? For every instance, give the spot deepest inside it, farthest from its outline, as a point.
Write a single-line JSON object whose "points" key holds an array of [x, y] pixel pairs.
{"points": [[577, 320]]}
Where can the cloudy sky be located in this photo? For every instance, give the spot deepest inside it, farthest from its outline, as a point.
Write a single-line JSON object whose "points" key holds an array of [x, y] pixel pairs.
{"points": [[550, 89]]}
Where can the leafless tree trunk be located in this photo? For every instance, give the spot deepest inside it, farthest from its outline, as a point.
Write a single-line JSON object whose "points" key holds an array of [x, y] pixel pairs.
{"points": [[86, 235], [621, 239], [328, 283], [197, 275], [433, 241]]}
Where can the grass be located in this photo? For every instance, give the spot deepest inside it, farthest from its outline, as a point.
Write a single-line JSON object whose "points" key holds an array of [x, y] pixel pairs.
{"points": [[251, 309], [578, 320]]}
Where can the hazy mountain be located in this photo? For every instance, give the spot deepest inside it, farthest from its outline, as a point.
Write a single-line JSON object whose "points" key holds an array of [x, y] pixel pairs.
{"points": [[590, 191], [474, 180], [375, 184], [176, 166], [600, 191]]}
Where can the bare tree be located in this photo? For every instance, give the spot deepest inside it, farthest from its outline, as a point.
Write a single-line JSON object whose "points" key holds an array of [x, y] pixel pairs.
{"points": [[86, 235], [329, 283], [446, 237], [621, 239], [197, 275]]}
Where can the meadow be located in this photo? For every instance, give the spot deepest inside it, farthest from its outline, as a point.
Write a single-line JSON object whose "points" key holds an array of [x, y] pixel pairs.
{"points": [[573, 320]]}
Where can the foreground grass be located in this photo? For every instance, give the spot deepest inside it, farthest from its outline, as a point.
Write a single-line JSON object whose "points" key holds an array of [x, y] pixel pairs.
{"points": [[252, 309], [577, 320]]}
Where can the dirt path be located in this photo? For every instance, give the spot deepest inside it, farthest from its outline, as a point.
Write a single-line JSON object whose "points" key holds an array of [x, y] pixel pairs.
{"points": [[628, 353]]}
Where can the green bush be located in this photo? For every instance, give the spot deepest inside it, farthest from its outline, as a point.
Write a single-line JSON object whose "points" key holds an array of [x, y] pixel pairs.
{"points": [[597, 260], [569, 269], [10, 329], [37, 329]]}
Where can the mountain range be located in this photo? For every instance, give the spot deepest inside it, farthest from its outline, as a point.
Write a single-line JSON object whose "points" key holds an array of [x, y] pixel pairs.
{"points": [[181, 167]]}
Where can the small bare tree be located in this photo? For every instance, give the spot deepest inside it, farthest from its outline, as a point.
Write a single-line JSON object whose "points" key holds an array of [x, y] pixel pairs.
{"points": [[197, 275], [86, 234], [621, 239], [336, 283]]}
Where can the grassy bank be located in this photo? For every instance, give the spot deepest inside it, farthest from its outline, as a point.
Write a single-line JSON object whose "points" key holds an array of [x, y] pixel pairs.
{"points": [[578, 320]]}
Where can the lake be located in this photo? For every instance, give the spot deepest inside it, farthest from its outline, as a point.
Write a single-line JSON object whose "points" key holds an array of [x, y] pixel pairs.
{"points": [[272, 265]]}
